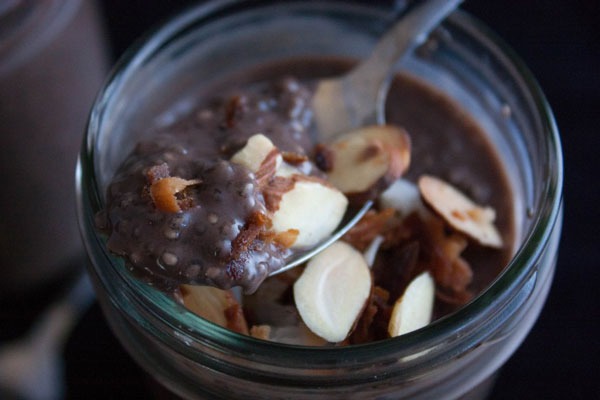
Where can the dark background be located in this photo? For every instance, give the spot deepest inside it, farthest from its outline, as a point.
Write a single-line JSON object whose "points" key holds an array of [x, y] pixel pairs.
{"points": [[558, 40]]}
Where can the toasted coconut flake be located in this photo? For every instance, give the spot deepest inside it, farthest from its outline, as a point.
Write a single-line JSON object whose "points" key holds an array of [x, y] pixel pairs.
{"points": [[293, 158], [441, 253], [373, 323], [164, 192], [374, 223], [287, 238]]}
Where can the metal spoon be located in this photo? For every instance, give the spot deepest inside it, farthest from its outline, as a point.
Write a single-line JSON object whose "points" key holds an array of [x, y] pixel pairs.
{"points": [[358, 98]]}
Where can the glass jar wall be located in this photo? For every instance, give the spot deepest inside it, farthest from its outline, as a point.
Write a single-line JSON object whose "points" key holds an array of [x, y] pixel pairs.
{"points": [[453, 357]]}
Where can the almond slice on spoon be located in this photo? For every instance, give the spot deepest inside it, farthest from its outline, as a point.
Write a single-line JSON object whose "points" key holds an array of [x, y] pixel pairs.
{"points": [[260, 156], [311, 207], [257, 150], [364, 162], [460, 212], [332, 291], [414, 308]]}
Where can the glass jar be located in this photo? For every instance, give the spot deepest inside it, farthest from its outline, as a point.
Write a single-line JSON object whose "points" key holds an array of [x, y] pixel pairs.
{"points": [[53, 59], [455, 356]]}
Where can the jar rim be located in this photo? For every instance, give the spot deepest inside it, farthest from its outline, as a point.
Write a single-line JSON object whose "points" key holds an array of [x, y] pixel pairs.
{"points": [[458, 324]]}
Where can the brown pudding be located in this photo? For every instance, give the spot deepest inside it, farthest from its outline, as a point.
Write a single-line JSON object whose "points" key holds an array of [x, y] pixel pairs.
{"points": [[203, 239]]}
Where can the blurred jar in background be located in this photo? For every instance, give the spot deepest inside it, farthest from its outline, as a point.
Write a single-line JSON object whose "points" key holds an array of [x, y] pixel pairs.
{"points": [[52, 61]]}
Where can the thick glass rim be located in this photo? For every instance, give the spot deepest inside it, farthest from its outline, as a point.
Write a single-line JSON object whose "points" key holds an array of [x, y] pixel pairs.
{"points": [[459, 324]]}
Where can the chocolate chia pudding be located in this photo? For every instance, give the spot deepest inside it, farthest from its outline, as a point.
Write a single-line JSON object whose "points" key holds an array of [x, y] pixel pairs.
{"points": [[204, 232]]}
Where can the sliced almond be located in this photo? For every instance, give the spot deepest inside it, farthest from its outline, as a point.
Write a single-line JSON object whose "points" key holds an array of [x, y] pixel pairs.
{"points": [[216, 305], [414, 308], [311, 208], [164, 192], [366, 161], [332, 291], [460, 212], [258, 150]]}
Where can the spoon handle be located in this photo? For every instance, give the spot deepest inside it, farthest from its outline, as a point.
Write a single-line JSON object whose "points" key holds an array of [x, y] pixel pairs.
{"points": [[411, 31], [364, 89]]}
